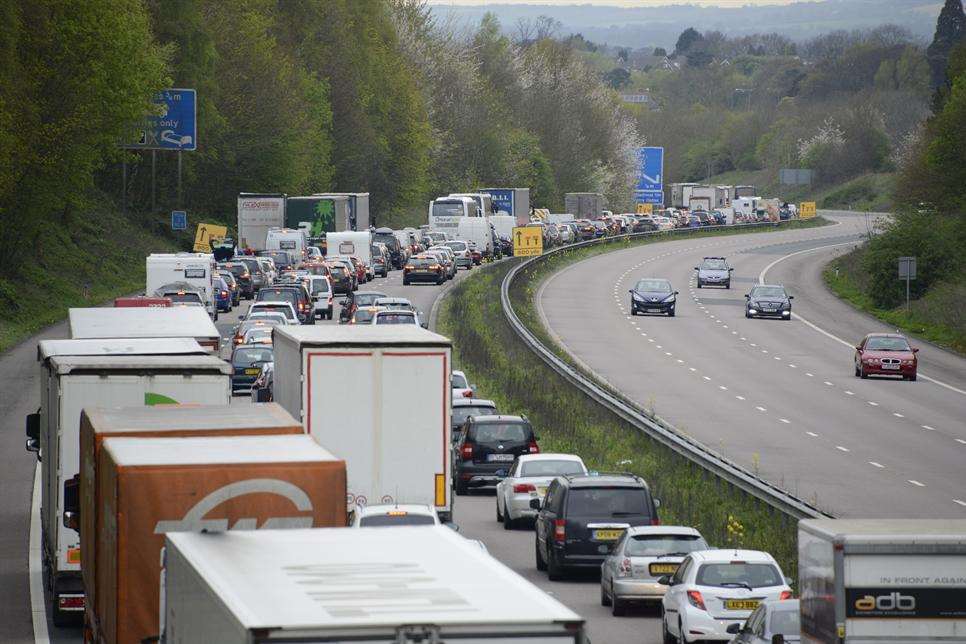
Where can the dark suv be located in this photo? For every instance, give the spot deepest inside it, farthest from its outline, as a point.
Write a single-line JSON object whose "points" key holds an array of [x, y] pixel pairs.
{"points": [[295, 295], [583, 516], [487, 449]]}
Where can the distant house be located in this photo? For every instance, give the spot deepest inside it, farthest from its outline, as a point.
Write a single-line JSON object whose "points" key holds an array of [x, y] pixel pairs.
{"points": [[641, 99]]}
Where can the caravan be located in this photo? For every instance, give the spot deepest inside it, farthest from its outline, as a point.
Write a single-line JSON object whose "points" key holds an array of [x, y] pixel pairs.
{"points": [[183, 274]]}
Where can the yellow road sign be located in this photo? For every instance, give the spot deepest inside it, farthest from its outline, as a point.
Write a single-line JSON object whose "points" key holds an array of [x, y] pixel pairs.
{"points": [[207, 232], [645, 208], [527, 241], [806, 210]]}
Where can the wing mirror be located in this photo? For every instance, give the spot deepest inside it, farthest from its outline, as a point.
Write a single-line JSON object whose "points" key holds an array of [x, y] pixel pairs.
{"points": [[858, 348], [675, 292], [33, 433], [696, 268], [915, 349], [747, 296], [665, 580], [791, 297]]}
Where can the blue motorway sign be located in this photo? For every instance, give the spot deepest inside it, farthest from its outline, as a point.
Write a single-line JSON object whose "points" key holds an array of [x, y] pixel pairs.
{"points": [[502, 199], [649, 187], [179, 220], [173, 125]]}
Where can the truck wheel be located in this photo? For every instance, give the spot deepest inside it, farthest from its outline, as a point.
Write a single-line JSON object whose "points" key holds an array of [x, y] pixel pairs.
{"points": [[541, 564]]}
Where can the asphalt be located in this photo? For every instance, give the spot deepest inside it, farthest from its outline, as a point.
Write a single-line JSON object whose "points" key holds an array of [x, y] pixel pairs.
{"points": [[778, 397]]}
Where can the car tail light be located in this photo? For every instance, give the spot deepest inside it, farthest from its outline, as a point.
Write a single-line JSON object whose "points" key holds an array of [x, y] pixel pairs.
{"points": [[655, 521], [466, 451], [534, 448], [625, 568], [786, 594], [224, 293], [467, 393], [560, 530], [695, 599], [520, 488]]}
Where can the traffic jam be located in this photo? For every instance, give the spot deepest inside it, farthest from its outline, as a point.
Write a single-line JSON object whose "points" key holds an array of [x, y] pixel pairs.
{"points": [[253, 449]]}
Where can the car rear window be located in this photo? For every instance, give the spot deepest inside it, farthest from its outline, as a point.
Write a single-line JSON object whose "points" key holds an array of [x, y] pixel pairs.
{"points": [[551, 468], [460, 414], [277, 295], [382, 520], [652, 545], [784, 622], [736, 573], [457, 245], [395, 318], [320, 286], [184, 298], [419, 262], [367, 299], [501, 432], [363, 316], [458, 381], [252, 355], [283, 308], [606, 502]]}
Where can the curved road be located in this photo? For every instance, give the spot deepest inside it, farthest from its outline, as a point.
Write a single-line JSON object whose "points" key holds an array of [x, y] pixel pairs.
{"points": [[775, 396]]}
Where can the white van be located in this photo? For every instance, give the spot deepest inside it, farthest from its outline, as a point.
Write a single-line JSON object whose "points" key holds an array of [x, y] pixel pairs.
{"points": [[503, 225], [195, 269], [290, 241], [476, 230]]}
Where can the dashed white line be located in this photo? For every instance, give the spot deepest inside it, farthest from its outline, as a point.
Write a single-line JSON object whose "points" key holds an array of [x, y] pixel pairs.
{"points": [[785, 420], [740, 397], [849, 393], [793, 366], [897, 414], [960, 440], [691, 369], [962, 503], [873, 403], [932, 429], [829, 384], [812, 434], [706, 377], [874, 464], [722, 388], [843, 449], [810, 375], [917, 483], [760, 408]]}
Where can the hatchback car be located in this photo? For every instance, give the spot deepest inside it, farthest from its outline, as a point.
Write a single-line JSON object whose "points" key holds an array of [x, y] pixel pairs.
{"points": [[487, 449], [295, 294], [641, 557], [583, 516], [246, 362], [385, 516], [527, 480], [423, 268], [461, 249], [393, 316], [714, 271], [343, 280], [233, 287], [653, 295], [460, 385], [713, 589], [222, 294], [769, 300], [355, 301], [773, 622], [284, 308], [886, 354], [242, 274]]}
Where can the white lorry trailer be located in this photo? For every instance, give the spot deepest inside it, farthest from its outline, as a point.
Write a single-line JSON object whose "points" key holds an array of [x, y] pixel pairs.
{"points": [[257, 214], [866, 581], [511, 201], [378, 397], [144, 322], [585, 205], [77, 374], [195, 269], [398, 586], [358, 208]]}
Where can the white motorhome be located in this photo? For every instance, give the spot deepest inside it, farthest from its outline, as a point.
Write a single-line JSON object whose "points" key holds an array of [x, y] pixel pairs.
{"points": [[350, 244], [394, 432], [77, 374], [478, 231], [144, 322], [290, 241], [445, 213], [381, 585], [196, 269], [745, 207], [257, 214]]}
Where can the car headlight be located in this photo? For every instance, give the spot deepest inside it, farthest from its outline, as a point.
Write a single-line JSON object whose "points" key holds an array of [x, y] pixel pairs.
{"points": [[752, 310], [638, 297], [669, 298]]}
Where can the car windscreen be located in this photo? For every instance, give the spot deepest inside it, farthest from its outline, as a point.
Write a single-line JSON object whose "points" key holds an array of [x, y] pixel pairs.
{"points": [[458, 381], [184, 298], [606, 502], [339, 271], [653, 545], [887, 344], [250, 264], [653, 286], [386, 238], [460, 414], [399, 317], [551, 468], [382, 520], [738, 574], [775, 292], [457, 245], [714, 265], [784, 622], [251, 355], [500, 433]]}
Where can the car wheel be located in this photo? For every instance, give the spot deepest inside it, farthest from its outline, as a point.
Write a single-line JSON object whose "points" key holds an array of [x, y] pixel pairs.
{"points": [[541, 564], [857, 372], [682, 638], [912, 378], [862, 373], [666, 634], [499, 516], [699, 283], [508, 523], [633, 310], [554, 569], [728, 285], [747, 315], [460, 488], [604, 599], [617, 606]]}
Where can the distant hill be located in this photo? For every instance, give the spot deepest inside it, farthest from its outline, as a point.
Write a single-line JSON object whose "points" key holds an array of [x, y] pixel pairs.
{"points": [[660, 26]]}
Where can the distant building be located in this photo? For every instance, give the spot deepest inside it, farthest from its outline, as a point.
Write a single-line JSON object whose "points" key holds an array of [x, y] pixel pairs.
{"points": [[641, 99]]}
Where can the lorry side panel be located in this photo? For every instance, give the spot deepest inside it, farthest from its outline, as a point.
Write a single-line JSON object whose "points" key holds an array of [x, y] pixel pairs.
{"points": [[287, 390], [816, 586]]}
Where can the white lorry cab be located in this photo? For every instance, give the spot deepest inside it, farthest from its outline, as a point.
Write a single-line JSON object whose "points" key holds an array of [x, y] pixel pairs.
{"points": [[144, 322], [379, 397], [445, 213], [290, 241], [195, 269], [376, 585], [79, 374], [478, 231], [745, 207]]}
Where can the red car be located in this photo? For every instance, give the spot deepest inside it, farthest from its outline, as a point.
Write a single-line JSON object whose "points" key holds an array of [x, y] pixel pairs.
{"points": [[885, 354]]}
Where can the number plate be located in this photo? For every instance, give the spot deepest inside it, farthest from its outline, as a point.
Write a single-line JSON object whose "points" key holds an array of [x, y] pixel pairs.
{"points": [[657, 569], [653, 310], [741, 604], [608, 535], [766, 309], [252, 372], [890, 366], [499, 457]]}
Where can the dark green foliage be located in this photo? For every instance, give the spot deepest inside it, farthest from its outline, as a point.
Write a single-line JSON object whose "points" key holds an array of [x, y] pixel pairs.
{"points": [[618, 78], [686, 40], [950, 30]]}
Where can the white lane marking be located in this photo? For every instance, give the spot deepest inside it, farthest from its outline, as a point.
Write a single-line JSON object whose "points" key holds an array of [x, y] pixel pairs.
{"points": [[740, 397], [932, 429], [785, 420], [760, 408], [960, 440], [793, 366], [829, 384], [691, 369], [668, 353], [844, 449], [897, 414], [849, 393], [761, 280], [962, 503], [812, 434], [680, 361], [753, 344], [917, 483], [706, 377], [873, 403], [810, 375], [722, 388], [777, 357], [874, 464], [35, 568]]}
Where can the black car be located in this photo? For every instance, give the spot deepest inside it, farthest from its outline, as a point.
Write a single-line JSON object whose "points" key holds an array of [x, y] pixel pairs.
{"points": [[583, 516], [461, 411], [487, 449], [243, 276], [387, 237], [653, 295], [246, 363], [769, 300], [423, 268], [255, 272], [295, 295]]}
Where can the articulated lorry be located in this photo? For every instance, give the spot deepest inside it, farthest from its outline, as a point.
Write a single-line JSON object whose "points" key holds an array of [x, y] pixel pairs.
{"points": [[257, 214], [317, 214], [379, 397], [511, 201], [358, 209], [867, 581], [403, 585]]}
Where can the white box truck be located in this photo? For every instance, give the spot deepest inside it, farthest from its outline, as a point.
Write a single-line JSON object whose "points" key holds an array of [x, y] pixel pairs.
{"points": [[77, 374], [503, 225], [144, 322], [194, 269], [393, 585], [378, 397], [257, 214], [703, 198], [511, 201], [864, 581]]}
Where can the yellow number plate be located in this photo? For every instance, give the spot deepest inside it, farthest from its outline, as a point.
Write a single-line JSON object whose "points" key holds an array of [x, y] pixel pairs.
{"points": [[662, 569], [741, 604], [252, 372], [608, 535]]}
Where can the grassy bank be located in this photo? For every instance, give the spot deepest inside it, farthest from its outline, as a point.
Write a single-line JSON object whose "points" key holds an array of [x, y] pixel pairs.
{"points": [[939, 316], [87, 262], [566, 420], [868, 192]]}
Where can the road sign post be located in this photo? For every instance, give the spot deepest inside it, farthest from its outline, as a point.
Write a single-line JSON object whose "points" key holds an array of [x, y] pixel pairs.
{"points": [[527, 241], [907, 271]]}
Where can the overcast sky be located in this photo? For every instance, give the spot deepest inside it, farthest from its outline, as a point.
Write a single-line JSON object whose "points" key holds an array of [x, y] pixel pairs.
{"points": [[619, 3]]}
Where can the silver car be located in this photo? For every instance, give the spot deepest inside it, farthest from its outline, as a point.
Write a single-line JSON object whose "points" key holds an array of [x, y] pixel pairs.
{"points": [[528, 479], [642, 556], [714, 271]]}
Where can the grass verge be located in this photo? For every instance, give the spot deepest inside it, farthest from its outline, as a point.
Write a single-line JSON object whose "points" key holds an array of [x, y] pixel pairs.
{"points": [[85, 263], [939, 316], [566, 420]]}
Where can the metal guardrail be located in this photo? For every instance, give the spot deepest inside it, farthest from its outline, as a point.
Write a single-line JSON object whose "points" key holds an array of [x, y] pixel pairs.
{"points": [[630, 412]]}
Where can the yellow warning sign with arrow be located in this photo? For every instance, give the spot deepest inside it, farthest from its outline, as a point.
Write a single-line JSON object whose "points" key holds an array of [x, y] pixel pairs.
{"points": [[527, 241], [206, 233]]}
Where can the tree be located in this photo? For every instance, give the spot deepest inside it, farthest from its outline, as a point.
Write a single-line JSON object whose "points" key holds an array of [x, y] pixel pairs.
{"points": [[623, 54], [950, 29], [659, 51], [686, 40], [618, 78]]}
